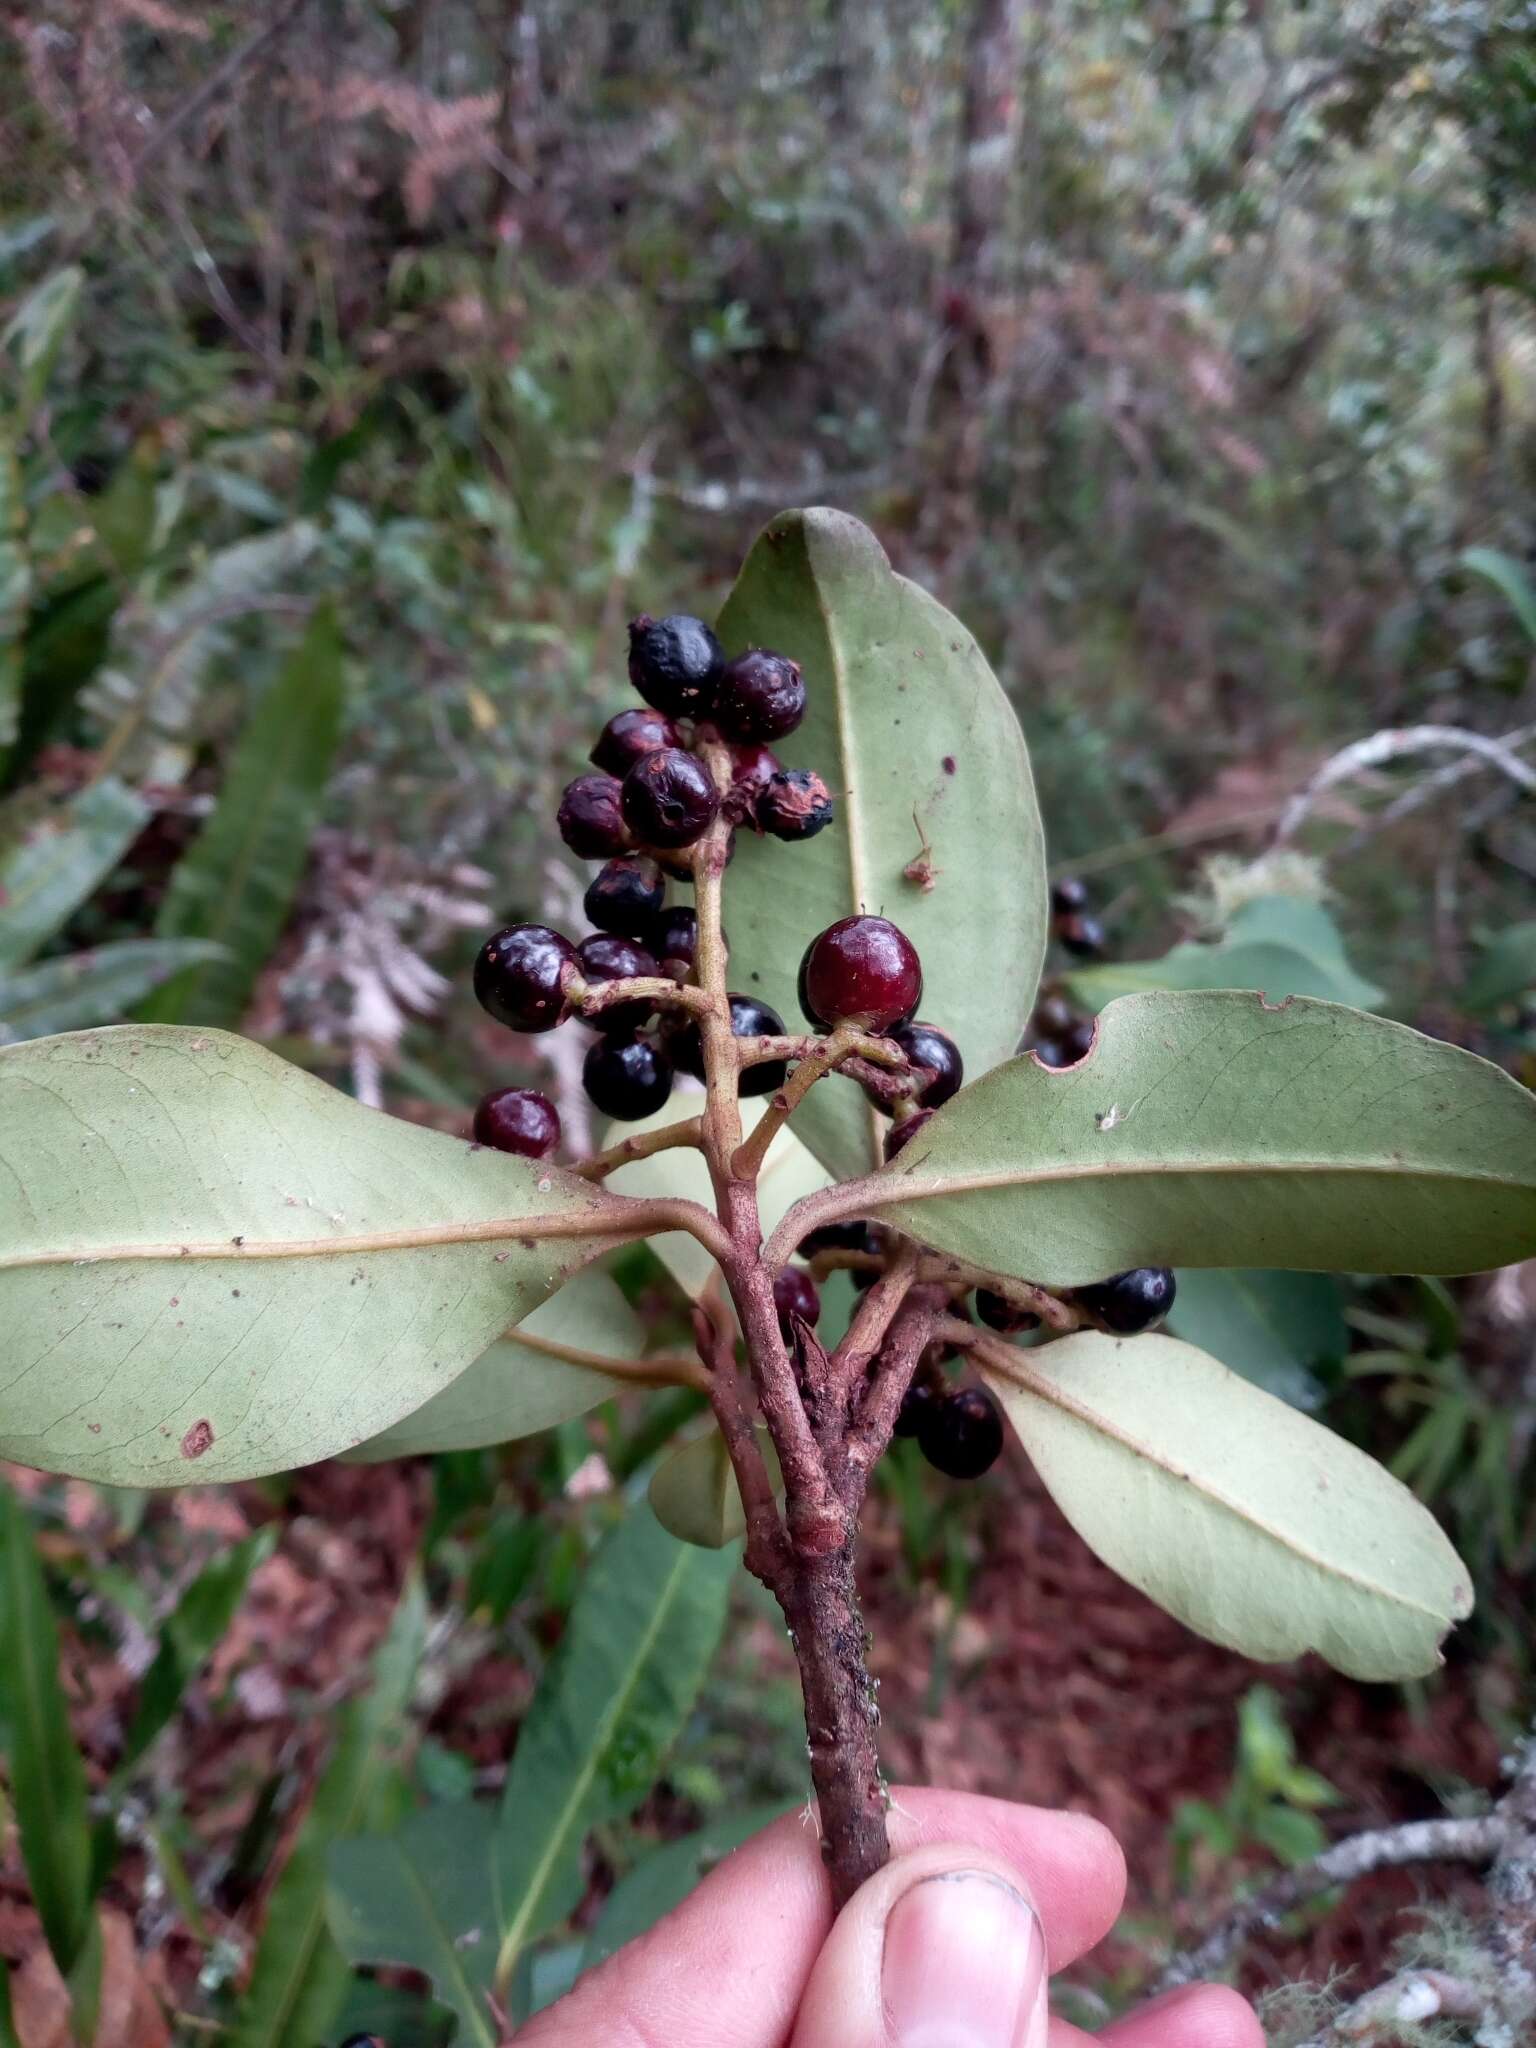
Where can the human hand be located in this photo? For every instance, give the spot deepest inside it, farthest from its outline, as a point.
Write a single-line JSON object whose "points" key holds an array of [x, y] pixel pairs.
{"points": [[948, 1947]]}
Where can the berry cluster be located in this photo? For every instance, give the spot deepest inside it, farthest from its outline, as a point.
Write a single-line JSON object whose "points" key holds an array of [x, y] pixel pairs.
{"points": [[1073, 925], [1058, 1034]]}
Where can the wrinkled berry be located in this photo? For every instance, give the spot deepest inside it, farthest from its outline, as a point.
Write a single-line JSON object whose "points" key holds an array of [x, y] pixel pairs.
{"points": [[591, 818], [963, 1434], [861, 970], [794, 1293], [1130, 1302], [675, 664], [753, 767], [795, 805], [625, 896], [918, 1405], [520, 976], [630, 734], [1081, 935], [926, 1046], [760, 696], [749, 1019], [627, 1078], [518, 1120], [603, 957], [669, 798], [674, 939], [900, 1134], [1067, 895], [999, 1313]]}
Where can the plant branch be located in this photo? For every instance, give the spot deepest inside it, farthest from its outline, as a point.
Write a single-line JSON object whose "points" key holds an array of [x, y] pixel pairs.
{"points": [[664, 1369], [872, 1319], [1391, 745], [591, 998], [919, 1319], [749, 1156], [641, 1146]]}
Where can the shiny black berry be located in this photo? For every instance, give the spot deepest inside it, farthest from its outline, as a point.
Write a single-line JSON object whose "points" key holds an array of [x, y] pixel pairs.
{"points": [[674, 939], [918, 1404], [1078, 1037], [591, 818], [625, 896], [1082, 935], [794, 1293], [1050, 1052], [861, 970], [1130, 1302], [900, 1135], [838, 1237], [795, 805], [1067, 895], [630, 734], [627, 1078], [604, 957], [520, 976], [999, 1313], [1053, 1016], [963, 1434], [669, 798], [518, 1120], [749, 1019], [760, 696], [926, 1046], [675, 664]]}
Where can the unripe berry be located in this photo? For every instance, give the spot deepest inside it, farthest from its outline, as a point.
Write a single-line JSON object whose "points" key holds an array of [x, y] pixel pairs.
{"points": [[861, 970], [794, 1293], [1128, 1303], [760, 696], [749, 1019], [795, 805], [627, 1078], [590, 817], [675, 664], [602, 957], [625, 896], [518, 1120], [962, 1436], [901, 1134], [674, 939], [999, 1313], [926, 1046], [521, 974], [669, 798], [630, 734]]}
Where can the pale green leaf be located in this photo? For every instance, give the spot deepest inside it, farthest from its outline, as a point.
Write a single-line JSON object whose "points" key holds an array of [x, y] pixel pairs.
{"points": [[1276, 1329], [98, 987], [422, 1898], [1510, 578], [524, 1384], [299, 1978], [912, 734], [212, 1265], [1215, 1130], [694, 1495], [234, 885], [60, 861], [640, 1639], [1278, 946], [1505, 970], [1252, 1524], [34, 334]]}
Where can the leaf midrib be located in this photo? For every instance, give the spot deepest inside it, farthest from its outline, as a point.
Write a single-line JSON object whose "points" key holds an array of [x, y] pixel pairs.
{"points": [[870, 1193], [423, 1237], [453, 1973]]}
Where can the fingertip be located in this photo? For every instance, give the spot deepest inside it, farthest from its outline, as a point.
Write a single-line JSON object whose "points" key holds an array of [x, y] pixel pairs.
{"points": [[1194, 2016]]}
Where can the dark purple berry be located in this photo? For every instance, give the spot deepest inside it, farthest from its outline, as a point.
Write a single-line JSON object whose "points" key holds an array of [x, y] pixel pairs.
{"points": [[794, 1293], [1067, 895], [675, 664], [963, 1433], [1083, 936], [760, 696], [861, 970], [590, 817], [630, 734], [1128, 1303], [625, 896], [867, 1276], [900, 1134], [918, 1404], [926, 1046], [795, 805], [1054, 1015], [999, 1313], [518, 1120], [603, 957], [749, 1019], [838, 1237], [674, 939], [1078, 1037], [627, 1078], [1050, 1052], [669, 798], [520, 976]]}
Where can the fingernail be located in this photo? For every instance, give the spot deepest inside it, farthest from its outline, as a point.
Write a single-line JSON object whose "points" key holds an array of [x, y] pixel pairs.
{"points": [[964, 1966]]}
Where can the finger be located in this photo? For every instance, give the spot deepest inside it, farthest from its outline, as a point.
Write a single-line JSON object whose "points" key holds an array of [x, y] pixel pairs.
{"points": [[941, 1949], [1195, 2016], [728, 1968]]}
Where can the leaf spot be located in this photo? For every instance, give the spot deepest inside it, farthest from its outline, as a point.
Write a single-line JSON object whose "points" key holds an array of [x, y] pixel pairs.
{"points": [[197, 1439], [1266, 1004]]}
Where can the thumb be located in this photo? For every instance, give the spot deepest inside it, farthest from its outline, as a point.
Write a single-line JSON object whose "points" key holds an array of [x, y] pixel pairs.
{"points": [[940, 1949]]}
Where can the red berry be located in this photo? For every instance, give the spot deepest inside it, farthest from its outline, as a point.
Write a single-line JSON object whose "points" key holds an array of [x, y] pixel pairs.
{"points": [[518, 1120], [926, 1046], [901, 1134], [590, 817], [630, 734], [669, 798], [861, 970], [794, 1293], [603, 957], [1128, 1303], [627, 1078], [760, 696], [674, 939], [749, 1019], [675, 664], [963, 1433], [625, 896], [999, 1313], [520, 976], [795, 805]]}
